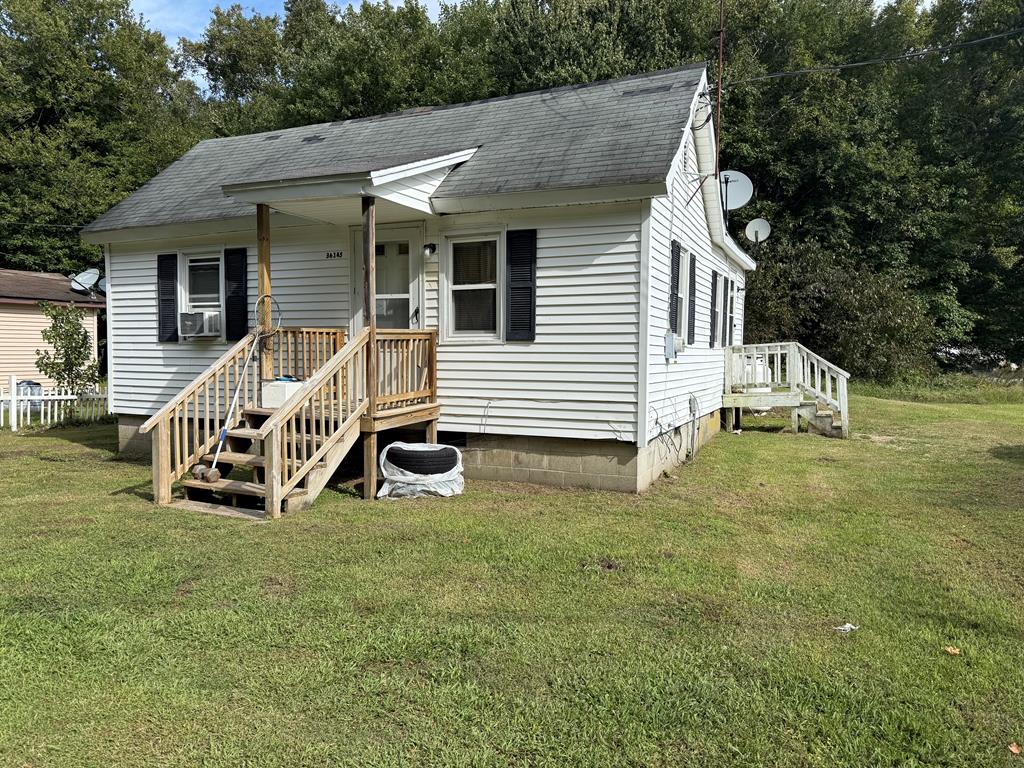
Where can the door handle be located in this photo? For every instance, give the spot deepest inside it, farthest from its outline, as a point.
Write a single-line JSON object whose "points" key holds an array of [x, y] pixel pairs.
{"points": [[415, 319]]}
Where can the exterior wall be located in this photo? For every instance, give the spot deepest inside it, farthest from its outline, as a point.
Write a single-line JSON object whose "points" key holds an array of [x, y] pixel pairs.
{"points": [[21, 334], [579, 377], [311, 290], [699, 370]]}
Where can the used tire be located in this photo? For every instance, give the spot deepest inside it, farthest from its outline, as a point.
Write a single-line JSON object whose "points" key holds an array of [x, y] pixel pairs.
{"points": [[436, 461]]}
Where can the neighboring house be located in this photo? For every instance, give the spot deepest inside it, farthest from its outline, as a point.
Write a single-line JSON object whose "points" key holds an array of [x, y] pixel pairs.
{"points": [[22, 322], [565, 248]]}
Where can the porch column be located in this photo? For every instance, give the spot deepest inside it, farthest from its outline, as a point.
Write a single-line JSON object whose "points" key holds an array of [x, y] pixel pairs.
{"points": [[263, 270], [370, 319]]}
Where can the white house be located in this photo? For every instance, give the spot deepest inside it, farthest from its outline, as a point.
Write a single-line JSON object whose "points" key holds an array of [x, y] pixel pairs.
{"points": [[552, 272]]}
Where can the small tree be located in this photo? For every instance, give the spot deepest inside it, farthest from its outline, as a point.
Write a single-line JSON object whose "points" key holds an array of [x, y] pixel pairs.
{"points": [[71, 363]]}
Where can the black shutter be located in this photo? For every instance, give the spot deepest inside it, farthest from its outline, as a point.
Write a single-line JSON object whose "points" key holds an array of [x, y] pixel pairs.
{"points": [[714, 308], [726, 291], [691, 328], [521, 285], [167, 296], [673, 298], [732, 310], [236, 301]]}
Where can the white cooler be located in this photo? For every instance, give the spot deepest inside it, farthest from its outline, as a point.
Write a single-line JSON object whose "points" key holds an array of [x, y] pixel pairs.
{"points": [[276, 393]]}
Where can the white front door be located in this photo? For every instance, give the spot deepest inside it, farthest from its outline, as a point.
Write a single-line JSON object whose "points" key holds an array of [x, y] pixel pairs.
{"points": [[399, 270]]}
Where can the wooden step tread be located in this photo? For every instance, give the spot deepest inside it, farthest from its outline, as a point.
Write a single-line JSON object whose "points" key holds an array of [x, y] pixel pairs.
{"points": [[243, 432], [257, 411], [228, 486], [236, 459], [221, 510]]}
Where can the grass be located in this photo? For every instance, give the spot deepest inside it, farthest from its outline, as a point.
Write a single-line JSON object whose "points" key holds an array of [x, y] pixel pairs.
{"points": [[516, 625], [951, 388]]}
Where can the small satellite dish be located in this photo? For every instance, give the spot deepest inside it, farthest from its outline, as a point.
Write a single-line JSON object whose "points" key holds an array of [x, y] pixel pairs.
{"points": [[737, 189], [83, 282], [757, 230], [101, 286]]}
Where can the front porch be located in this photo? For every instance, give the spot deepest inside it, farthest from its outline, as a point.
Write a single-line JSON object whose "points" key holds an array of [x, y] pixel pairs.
{"points": [[342, 386]]}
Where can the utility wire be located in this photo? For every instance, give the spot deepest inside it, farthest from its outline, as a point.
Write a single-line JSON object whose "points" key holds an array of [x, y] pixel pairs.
{"points": [[881, 59], [39, 224]]}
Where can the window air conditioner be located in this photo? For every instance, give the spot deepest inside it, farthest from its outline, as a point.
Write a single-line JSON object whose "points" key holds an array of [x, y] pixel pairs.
{"points": [[205, 323]]}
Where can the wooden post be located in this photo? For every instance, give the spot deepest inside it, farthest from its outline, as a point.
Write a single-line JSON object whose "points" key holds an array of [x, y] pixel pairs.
{"points": [[370, 465], [272, 473], [263, 272], [162, 462], [370, 321]]}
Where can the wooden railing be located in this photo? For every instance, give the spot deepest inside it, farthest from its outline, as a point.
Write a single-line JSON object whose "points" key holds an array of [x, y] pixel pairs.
{"points": [[789, 366], [189, 425], [406, 368], [301, 352], [301, 432]]}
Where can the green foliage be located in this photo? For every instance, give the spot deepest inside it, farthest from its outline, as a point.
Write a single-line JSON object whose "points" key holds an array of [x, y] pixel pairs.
{"points": [[71, 364], [896, 191], [90, 109], [997, 387]]}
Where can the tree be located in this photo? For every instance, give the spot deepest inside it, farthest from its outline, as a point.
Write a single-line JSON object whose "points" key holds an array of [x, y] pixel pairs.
{"points": [[90, 108], [71, 363]]}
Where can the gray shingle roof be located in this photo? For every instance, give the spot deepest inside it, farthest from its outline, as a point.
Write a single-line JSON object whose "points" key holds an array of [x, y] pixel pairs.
{"points": [[612, 132], [17, 285]]}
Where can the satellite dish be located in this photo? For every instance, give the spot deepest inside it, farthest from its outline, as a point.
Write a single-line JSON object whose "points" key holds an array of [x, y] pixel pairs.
{"points": [[83, 282], [101, 286], [757, 230], [737, 189]]}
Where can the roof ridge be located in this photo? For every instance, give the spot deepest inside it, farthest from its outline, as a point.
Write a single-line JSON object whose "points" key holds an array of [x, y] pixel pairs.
{"points": [[427, 108]]}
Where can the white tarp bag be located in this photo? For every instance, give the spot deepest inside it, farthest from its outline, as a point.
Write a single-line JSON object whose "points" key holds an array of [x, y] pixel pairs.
{"points": [[401, 483]]}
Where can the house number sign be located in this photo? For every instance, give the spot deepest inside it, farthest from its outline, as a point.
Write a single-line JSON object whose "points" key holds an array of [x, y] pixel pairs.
{"points": [[335, 255]]}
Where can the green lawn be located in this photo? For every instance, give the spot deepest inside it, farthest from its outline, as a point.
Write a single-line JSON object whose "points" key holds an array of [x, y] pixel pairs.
{"points": [[517, 625]]}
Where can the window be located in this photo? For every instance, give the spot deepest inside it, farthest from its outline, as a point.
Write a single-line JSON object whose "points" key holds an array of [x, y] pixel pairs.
{"points": [[392, 270], [473, 298], [731, 312], [203, 283]]}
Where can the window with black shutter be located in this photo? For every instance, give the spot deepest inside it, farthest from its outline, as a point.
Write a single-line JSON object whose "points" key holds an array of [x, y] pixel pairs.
{"points": [[691, 320], [236, 301], [714, 308], [521, 285], [673, 298], [167, 296]]}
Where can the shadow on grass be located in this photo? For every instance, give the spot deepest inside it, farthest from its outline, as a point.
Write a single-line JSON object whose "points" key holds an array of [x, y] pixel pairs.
{"points": [[101, 436], [1011, 453], [142, 491]]}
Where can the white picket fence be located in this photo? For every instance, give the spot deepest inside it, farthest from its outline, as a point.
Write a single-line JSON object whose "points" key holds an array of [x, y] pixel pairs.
{"points": [[53, 405]]}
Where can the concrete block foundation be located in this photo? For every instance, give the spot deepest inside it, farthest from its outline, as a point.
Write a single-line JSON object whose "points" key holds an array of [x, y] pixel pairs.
{"points": [[569, 462]]}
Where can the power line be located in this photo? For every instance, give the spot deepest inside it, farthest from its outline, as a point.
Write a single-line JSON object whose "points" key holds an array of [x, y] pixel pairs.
{"points": [[881, 59], [39, 224]]}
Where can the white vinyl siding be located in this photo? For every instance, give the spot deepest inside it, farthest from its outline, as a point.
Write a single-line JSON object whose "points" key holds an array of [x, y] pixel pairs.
{"points": [[579, 377], [311, 290], [698, 370]]}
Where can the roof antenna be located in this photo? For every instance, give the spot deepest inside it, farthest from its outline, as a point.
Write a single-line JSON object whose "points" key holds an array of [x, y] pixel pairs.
{"points": [[721, 66]]}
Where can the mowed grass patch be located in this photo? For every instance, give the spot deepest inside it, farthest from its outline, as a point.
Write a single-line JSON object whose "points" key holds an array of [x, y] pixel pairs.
{"points": [[691, 625]]}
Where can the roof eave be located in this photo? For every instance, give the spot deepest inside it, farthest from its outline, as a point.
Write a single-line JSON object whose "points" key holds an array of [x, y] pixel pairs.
{"points": [[544, 198]]}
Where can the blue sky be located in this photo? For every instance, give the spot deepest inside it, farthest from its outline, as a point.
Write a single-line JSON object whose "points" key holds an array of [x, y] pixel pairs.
{"points": [[188, 18]]}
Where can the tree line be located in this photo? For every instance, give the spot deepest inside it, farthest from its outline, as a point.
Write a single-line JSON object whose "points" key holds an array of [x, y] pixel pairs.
{"points": [[895, 191]]}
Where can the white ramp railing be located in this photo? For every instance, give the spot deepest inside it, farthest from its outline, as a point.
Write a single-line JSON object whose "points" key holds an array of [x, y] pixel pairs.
{"points": [[788, 367]]}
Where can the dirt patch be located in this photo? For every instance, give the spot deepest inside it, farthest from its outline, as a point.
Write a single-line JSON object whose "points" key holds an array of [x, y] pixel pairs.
{"points": [[603, 564], [185, 588], [278, 586]]}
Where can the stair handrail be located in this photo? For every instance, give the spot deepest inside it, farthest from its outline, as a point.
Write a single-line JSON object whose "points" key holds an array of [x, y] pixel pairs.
{"points": [[299, 397], [197, 382], [818, 358]]}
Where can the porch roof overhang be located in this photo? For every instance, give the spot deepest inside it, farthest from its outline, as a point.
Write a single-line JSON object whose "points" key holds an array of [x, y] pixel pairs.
{"points": [[405, 182]]}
